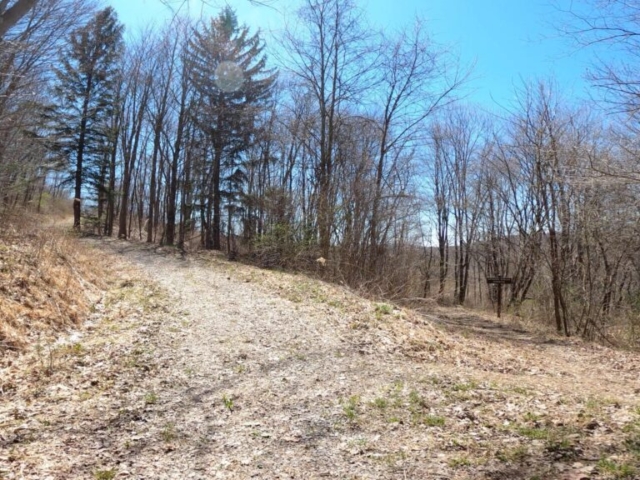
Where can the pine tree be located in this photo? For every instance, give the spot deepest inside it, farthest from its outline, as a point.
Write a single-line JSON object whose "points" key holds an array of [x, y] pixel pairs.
{"points": [[84, 91], [228, 71]]}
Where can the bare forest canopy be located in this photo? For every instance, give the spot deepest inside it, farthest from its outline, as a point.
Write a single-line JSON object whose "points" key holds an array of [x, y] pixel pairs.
{"points": [[354, 149]]}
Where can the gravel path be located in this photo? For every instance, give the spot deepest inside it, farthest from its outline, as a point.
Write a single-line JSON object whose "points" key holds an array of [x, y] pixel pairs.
{"points": [[266, 380]]}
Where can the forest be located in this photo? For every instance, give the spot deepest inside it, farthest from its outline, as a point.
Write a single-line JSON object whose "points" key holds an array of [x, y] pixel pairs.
{"points": [[347, 152]]}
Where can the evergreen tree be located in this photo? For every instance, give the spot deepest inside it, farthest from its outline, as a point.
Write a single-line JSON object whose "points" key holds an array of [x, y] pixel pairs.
{"points": [[228, 71], [84, 91]]}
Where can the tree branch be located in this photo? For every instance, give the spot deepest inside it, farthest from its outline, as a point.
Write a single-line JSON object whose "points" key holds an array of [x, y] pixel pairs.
{"points": [[14, 14]]}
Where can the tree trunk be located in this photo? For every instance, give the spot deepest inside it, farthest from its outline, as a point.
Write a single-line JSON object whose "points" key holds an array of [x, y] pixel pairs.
{"points": [[11, 16], [217, 200], [80, 156], [111, 193], [173, 174], [152, 183]]}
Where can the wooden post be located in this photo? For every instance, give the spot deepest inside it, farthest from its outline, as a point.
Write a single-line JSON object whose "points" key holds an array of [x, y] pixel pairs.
{"points": [[499, 282]]}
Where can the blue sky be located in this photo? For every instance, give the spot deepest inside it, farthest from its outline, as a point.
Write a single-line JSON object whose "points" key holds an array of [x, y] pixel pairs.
{"points": [[507, 40]]}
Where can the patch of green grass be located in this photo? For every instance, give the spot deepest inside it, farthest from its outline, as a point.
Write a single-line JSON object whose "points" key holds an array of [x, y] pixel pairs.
{"points": [[633, 428], [380, 403], [136, 358], [105, 474], [534, 433], [350, 407], [416, 401], [558, 440], [335, 304], [464, 386], [392, 459], [562, 448], [294, 298], [519, 390], [151, 398], [75, 349], [617, 470], [459, 462], [300, 357], [317, 294], [632, 444], [228, 402], [513, 455], [398, 386], [168, 432], [594, 405], [359, 442], [383, 309], [431, 420], [396, 393]]}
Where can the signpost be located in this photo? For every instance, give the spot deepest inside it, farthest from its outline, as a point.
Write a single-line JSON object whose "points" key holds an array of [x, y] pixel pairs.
{"points": [[499, 282]]}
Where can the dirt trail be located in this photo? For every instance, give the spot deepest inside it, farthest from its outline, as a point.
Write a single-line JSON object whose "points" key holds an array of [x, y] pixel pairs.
{"points": [[264, 375]]}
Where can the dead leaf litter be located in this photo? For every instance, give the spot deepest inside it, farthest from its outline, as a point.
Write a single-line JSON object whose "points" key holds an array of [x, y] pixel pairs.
{"points": [[199, 368]]}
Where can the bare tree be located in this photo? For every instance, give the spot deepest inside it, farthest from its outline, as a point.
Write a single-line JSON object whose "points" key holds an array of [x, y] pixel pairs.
{"points": [[605, 26], [330, 57], [441, 194], [417, 78], [30, 48], [138, 83]]}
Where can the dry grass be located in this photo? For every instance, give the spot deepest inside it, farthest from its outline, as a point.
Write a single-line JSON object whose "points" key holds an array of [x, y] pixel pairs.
{"points": [[62, 401], [48, 280], [335, 385], [220, 370]]}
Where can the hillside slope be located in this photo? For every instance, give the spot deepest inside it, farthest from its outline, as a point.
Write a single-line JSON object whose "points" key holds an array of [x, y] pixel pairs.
{"points": [[200, 368], [48, 281]]}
